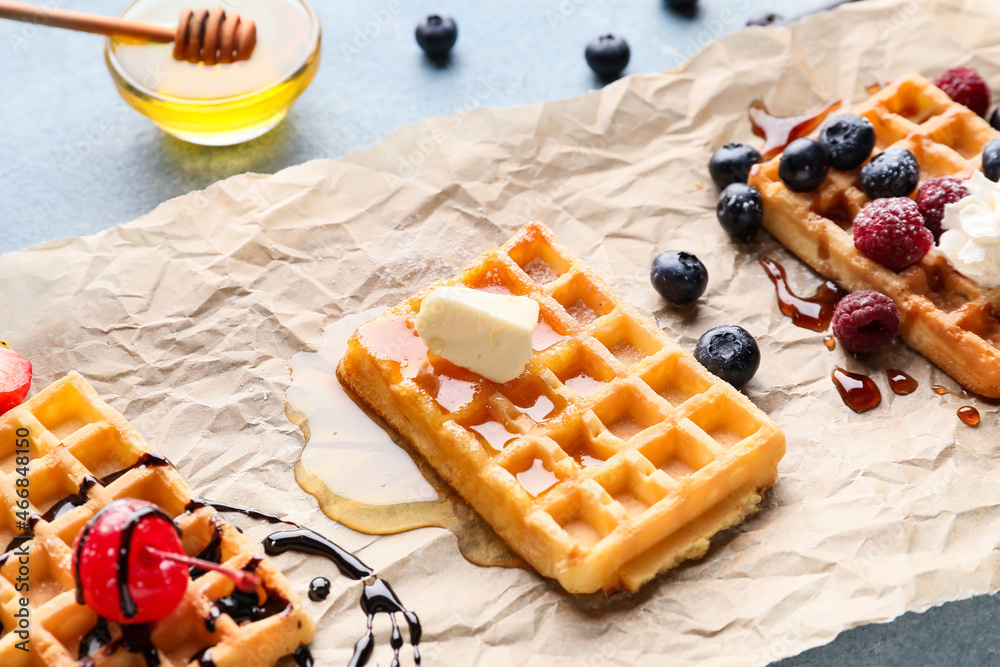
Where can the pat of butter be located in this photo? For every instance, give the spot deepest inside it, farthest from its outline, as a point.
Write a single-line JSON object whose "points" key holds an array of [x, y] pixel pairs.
{"points": [[489, 334]]}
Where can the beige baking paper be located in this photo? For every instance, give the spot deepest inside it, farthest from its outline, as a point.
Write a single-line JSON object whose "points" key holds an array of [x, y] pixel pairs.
{"points": [[185, 319]]}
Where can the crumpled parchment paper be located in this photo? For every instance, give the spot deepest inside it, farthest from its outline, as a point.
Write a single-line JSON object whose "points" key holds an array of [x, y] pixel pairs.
{"points": [[185, 319]]}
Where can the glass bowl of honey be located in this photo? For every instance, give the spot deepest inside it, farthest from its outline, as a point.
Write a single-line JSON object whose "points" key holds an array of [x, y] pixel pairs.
{"points": [[219, 105]]}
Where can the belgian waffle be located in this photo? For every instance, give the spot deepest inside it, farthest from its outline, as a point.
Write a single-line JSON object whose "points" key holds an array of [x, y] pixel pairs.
{"points": [[613, 457], [74, 436], [945, 316]]}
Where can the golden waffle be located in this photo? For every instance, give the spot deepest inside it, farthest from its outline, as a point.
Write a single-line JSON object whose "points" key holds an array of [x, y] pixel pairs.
{"points": [[613, 457], [73, 435], [945, 316]]}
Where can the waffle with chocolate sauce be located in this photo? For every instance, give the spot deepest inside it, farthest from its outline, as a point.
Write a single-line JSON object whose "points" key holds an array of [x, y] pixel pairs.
{"points": [[613, 457], [945, 316], [84, 455]]}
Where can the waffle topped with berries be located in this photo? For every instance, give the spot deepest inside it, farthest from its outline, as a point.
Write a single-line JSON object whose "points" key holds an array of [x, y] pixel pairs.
{"points": [[613, 457], [78, 455], [944, 315]]}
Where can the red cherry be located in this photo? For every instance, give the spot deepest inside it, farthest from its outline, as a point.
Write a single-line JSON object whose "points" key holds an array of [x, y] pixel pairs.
{"points": [[15, 379], [156, 585]]}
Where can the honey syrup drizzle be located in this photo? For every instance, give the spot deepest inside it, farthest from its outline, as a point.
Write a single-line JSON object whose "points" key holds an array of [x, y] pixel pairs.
{"points": [[778, 131], [813, 313], [900, 382], [407, 493], [859, 392]]}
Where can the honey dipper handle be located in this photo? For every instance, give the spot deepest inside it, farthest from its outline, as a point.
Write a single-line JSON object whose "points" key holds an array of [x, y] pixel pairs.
{"points": [[101, 25]]}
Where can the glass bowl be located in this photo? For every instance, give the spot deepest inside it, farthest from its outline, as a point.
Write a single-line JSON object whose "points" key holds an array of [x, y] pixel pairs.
{"points": [[219, 105]]}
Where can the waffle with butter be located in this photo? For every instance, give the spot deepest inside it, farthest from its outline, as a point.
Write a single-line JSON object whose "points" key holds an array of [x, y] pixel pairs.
{"points": [[945, 316], [613, 457], [77, 441]]}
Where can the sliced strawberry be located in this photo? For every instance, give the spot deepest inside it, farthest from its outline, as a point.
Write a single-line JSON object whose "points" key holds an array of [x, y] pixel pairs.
{"points": [[15, 379]]}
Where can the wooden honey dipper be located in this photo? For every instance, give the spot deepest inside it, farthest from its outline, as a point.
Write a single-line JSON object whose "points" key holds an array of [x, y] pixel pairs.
{"points": [[202, 35]]}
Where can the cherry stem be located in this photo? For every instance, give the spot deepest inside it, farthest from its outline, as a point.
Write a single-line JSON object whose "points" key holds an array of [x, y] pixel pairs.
{"points": [[247, 582]]}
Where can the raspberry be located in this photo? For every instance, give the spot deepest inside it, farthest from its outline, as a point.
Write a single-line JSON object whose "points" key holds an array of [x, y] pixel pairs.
{"points": [[934, 195], [965, 86], [892, 233], [865, 321]]}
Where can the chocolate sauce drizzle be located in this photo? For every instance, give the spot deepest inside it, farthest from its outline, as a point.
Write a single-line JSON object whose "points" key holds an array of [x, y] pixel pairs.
{"points": [[72, 501], [310, 542], [377, 597], [198, 503], [319, 589], [211, 553], [134, 639], [247, 606], [147, 460]]}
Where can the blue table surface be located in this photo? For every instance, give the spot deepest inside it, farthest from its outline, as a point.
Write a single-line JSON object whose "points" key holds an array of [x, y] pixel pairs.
{"points": [[74, 159]]}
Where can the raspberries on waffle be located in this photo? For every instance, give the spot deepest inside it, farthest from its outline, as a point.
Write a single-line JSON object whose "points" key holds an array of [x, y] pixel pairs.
{"points": [[965, 86], [892, 232], [934, 195], [865, 320]]}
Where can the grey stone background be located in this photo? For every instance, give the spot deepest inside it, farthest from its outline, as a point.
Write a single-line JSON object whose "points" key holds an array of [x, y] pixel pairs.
{"points": [[74, 159]]}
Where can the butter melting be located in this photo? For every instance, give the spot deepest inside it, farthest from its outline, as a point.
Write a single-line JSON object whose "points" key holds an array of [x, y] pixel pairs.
{"points": [[363, 474]]}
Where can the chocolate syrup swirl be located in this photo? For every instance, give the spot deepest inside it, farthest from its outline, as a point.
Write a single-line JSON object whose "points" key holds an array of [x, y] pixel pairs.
{"points": [[72, 501], [377, 597], [307, 541], [147, 460], [319, 589], [198, 503], [134, 639]]}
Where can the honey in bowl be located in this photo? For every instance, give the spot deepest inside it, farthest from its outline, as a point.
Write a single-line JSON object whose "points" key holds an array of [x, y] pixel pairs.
{"points": [[223, 104]]}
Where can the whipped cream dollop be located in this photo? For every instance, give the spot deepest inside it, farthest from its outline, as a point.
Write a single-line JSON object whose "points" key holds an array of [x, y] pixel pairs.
{"points": [[971, 238]]}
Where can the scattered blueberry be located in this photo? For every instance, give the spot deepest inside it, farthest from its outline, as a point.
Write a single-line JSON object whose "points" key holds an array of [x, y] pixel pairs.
{"points": [[678, 276], [991, 160], [608, 56], [995, 119], [892, 173], [803, 166], [436, 34], [732, 164], [683, 5], [740, 211], [729, 352], [848, 140]]}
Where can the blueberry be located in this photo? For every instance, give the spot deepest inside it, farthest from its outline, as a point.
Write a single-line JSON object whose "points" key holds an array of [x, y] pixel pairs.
{"points": [[995, 119], [892, 173], [436, 34], [732, 164], [730, 353], [803, 166], [740, 211], [682, 5], [991, 160], [678, 276], [848, 140], [608, 56]]}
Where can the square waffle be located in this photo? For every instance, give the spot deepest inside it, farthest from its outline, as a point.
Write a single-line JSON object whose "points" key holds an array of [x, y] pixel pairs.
{"points": [[945, 316], [75, 435], [613, 457]]}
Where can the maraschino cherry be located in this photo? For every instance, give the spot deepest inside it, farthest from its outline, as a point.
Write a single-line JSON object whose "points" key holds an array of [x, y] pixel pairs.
{"points": [[130, 564]]}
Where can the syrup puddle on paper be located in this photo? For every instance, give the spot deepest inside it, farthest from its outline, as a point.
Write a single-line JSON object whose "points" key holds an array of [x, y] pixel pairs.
{"points": [[363, 474]]}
